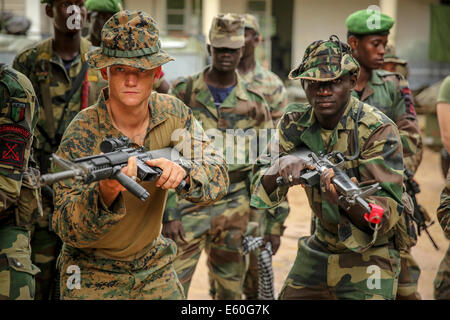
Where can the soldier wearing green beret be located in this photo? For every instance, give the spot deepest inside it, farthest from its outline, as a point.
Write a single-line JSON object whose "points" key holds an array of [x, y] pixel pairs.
{"points": [[228, 110], [64, 85], [113, 238], [344, 258], [270, 226], [368, 32], [20, 202]]}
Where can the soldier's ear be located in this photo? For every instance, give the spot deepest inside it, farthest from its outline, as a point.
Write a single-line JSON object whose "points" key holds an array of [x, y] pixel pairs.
{"points": [[353, 42], [104, 72], [49, 10]]}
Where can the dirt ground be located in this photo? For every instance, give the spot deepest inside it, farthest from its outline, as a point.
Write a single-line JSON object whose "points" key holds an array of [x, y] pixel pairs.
{"points": [[431, 182]]}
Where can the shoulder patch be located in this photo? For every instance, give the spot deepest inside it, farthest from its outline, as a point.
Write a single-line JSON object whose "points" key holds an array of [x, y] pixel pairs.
{"points": [[13, 142]]}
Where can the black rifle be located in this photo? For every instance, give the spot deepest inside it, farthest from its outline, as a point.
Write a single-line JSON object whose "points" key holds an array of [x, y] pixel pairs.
{"points": [[349, 193], [420, 216], [108, 165]]}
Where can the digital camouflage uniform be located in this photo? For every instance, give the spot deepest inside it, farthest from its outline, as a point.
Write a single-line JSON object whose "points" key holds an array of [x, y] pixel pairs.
{"points": [[119, 250], [389, 92], [52, 85], [19, 191], [219, 228], [272, 88], [337, 260]]}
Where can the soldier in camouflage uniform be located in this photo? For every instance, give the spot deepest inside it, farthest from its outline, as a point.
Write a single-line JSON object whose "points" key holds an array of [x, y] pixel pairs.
{"points": [[339, 258], [442, 281], [100, 11], [112, 237], [222, 102], [389, 92], [393, 63], [19, 192], [270, 85], [64, 85]]}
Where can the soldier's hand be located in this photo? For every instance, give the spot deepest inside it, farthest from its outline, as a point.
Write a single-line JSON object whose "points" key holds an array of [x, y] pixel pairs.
{"points": [[290, 167], [274, 240], [327, 187], [110, 188], [172, 174], [173, 230]]}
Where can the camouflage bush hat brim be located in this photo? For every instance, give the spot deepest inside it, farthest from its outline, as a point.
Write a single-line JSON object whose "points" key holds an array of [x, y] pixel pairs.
{"points": [[369, 21], [112, 6], [227, 31], [325, 61], [390, 56], [129, 38], [251, 22]]}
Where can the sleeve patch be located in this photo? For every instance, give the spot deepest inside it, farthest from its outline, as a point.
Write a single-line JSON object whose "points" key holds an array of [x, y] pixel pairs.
{"points": [[12, 152]]}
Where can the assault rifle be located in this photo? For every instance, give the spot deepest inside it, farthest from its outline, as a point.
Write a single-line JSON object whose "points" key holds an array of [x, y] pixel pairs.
{"points": [[108, 165], [420, 216], [349, 193]]}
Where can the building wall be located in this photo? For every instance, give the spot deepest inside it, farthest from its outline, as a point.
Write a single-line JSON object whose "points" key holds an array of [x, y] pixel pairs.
{"points": [[155, 8], [318, 19], [233, 6], [15, 6]]}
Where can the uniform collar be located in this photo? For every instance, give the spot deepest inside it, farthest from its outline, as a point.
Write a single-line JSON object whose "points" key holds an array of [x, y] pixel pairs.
{"points": [[204, 96], [311, 135]]}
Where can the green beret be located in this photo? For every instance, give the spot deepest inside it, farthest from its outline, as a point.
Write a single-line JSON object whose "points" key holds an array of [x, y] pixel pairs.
{"points": [[47, 1], [112, 6], [368, 21]]}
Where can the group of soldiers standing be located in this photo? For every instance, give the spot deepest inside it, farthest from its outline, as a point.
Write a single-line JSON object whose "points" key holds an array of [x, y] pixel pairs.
{"points": [[66, 94]]}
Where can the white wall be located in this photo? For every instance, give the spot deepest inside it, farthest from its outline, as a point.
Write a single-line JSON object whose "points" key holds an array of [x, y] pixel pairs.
{"points": [[318, 19], [232, 6]]}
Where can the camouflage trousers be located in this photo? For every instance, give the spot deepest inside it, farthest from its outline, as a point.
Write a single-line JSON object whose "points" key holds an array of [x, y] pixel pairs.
{"points": [[151, 277], [218, 229], [408, 278], [258, 217], [46, 246], [442, 280], [17, 273], [319, 274]]}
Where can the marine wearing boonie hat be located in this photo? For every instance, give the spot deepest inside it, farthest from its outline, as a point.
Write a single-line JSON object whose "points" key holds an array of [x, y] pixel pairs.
{"points": [[325, 61], [251, 22], [112, 6], [227, 31], [129, 38], [368, 21]]}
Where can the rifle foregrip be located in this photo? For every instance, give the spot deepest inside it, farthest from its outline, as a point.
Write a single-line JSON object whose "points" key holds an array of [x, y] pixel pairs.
{"points": [[132, 186], [51, 178]]}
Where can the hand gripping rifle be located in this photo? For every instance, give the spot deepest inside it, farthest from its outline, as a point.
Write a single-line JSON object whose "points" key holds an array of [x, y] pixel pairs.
{"points": [[108, 165], [349, 193]]}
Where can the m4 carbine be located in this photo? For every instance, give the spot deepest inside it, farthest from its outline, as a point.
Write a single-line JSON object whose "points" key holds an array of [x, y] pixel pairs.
{"points": [[349, 193], [108, 165]]}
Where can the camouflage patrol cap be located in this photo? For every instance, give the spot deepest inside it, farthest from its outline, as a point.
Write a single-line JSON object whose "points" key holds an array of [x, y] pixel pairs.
{"points": [[112, 6], [369, 21], [325, 61], [390, 56], [227, 31], [251, 22], [129, 38]]}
